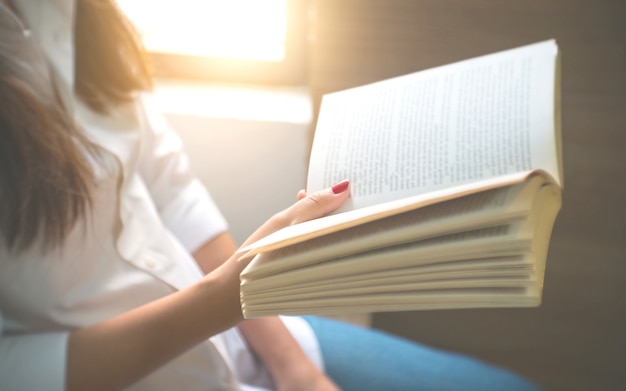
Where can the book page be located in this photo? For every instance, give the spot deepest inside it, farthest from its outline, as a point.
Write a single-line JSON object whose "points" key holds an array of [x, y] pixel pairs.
{"points": [[498, 241], [492, 207], [401, 301], [477, 119], [509, 239], [439, 272], [493, 268], [339, 221]]}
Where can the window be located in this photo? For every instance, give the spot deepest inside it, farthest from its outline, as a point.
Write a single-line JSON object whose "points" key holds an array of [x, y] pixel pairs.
{"points": [[258, 41]]}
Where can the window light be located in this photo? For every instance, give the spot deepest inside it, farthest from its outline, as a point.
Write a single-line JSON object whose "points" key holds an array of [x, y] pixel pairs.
{"points": [[239, 29]]}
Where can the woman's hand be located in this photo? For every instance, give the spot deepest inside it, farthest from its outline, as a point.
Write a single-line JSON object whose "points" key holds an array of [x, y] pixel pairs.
{"points": [[308, 207]]}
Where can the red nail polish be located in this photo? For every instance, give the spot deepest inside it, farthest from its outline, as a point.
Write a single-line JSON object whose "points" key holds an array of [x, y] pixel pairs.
{"points": [[340, 187]]}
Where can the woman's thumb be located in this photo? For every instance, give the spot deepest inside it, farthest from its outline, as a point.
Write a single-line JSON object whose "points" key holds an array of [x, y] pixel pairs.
{"points": [[320, 203]]}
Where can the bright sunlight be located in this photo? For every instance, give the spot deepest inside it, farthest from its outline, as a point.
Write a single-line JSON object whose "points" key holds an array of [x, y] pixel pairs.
{"points": [[241, 29]]}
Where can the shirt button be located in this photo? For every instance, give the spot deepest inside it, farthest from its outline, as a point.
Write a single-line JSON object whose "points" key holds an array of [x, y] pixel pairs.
{"points": [[151, 263]]}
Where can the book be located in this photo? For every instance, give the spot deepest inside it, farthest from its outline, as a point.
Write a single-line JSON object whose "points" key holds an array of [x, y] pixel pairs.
{"points": [[456, 182]]}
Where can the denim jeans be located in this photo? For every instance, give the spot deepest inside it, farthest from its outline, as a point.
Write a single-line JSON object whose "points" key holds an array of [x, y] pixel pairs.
{"points": [[362, 359]]}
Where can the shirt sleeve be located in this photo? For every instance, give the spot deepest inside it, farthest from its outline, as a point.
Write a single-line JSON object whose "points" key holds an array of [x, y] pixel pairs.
{"points": [[185, 205], [33, 361]]}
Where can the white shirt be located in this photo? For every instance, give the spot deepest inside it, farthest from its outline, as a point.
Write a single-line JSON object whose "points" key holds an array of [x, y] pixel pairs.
{"points": [[149, 212]]}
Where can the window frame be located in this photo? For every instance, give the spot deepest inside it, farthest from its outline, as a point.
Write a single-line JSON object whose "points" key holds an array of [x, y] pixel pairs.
{"points": [[290, 71]]}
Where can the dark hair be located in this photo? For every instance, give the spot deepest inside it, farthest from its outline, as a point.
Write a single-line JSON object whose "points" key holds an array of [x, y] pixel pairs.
{"points": [[46, 179], [110, 64]]}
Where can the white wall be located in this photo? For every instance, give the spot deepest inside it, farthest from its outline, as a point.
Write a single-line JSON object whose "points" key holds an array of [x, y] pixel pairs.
{"points": [[253, 169], [249, 146]]}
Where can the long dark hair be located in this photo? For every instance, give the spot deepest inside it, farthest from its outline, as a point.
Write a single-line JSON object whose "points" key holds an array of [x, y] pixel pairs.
{"points": [[46, 180], [110, 60]]}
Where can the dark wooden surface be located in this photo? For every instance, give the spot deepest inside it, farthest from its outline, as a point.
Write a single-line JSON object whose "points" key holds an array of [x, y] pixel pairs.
{"points": [[577, 339]]}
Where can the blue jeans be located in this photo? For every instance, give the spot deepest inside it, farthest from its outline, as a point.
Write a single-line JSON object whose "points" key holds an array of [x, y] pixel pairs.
{"points": [[361, 359]]}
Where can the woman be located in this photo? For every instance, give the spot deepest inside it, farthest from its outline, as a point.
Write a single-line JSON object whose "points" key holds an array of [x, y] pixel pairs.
{"points": [[116, 268]]}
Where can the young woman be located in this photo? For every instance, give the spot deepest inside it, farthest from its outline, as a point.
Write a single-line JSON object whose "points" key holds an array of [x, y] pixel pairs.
{"points": [[116, 268]]}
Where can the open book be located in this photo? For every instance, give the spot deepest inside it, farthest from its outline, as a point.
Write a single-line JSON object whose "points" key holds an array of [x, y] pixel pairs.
{"points": [[456, 181]]}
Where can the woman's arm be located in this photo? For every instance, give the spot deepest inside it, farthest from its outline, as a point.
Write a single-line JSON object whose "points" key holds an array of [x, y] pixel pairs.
{"points": [[290, 367], [268, 337], [115, 353]]}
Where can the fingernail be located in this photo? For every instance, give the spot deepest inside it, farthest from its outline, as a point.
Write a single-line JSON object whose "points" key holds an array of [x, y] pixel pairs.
{"points": [[340, 187]]}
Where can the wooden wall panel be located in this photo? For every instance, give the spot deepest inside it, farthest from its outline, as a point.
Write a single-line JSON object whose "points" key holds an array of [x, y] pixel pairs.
{"points": [[577, 339]]}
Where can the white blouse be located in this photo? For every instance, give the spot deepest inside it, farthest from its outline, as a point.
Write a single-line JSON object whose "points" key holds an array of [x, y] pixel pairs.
{"points": [[149, 212]]}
